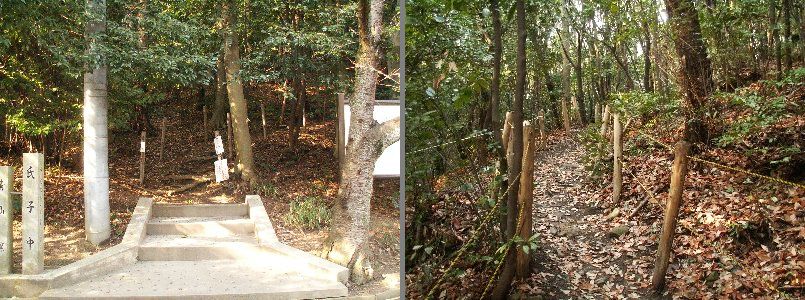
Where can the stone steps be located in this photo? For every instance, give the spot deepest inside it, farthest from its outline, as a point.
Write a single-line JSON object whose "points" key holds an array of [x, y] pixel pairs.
{"points": [[200, 226], [211, 251]]}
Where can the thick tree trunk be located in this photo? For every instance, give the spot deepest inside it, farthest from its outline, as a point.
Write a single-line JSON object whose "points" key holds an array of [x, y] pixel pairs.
{"points": [[695, 73], [96, 139], [221, 104], [237, 103], [504, 282], [367, 139]]}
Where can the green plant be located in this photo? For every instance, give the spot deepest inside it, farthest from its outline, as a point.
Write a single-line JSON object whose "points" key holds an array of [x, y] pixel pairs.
{"points": [[309, 212], [765, 112], [597, 156], [267, 189]]}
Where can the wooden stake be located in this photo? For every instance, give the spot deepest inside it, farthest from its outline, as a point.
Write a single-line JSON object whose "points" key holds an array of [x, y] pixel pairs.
{"points": [[679, 171], [162, 138], [263, 115], [507, 129], [339, 136], [142, 157], [543, 143], [204, 112], [617, 147], [229, 154], [605, 120], [526, 199]]}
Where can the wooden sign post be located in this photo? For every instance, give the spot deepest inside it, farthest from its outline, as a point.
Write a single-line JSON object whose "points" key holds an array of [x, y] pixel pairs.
{"points": [[617, 150], [263, 115], [162, 138], [6, 218], [221, 166], [33, 213], [142, 157], [526, 199]]}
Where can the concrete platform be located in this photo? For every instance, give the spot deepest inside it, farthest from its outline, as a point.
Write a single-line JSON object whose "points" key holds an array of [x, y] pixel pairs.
{"points": [[210, 279]]}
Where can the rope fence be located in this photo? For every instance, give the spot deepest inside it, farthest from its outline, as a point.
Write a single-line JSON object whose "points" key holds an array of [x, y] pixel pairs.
{"points": [[472, 238]]}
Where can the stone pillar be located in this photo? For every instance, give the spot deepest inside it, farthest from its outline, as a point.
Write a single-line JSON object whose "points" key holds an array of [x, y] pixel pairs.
{"points": [[97, 226], [33, 213], [6, 218]]}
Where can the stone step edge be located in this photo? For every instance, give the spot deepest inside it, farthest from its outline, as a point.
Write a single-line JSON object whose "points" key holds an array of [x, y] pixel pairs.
{"points": [[200, 210]]}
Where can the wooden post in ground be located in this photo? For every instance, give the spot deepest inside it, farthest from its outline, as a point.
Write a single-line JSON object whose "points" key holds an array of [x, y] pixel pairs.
{"points": [[617, 147], [204, 112], [142, 157], [597, 114], [230, 155], [33, 213], [507, 129], [340, 150], [678, 173], [605, 120], [543, 140], [162, 138], [526, 199], [6, 219], [263, 115]]}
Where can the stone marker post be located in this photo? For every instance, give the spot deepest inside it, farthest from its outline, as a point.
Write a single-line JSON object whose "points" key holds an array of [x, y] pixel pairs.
{"points": [[142, 158], [33, 213], [6, 218]]}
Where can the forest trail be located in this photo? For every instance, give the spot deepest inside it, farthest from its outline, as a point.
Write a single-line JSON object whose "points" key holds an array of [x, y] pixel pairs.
{"points": [[580, 254]]}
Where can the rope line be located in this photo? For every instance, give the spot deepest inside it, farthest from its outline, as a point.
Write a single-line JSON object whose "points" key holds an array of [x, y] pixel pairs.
{"points": [[472, 239], [695, 158], [448, 143], [506, 252]]}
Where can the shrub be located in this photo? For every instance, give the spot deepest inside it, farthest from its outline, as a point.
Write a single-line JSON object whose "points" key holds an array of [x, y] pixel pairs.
{"points": [[597, 158], [309, 212]]}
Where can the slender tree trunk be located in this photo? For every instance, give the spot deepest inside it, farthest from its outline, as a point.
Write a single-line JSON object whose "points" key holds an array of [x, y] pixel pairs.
{"points": [[787, 33], [237, 103], [579, 86], [221, 104], [497, 53], [298, 115], [346, 243], [96, 139], [507, 274], [565, 75], [648, 85], [695, 73]]}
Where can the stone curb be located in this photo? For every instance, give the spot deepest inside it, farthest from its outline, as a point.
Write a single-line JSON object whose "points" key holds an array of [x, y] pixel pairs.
{"points": [[384, 295], [125, 253], [267, 237]]}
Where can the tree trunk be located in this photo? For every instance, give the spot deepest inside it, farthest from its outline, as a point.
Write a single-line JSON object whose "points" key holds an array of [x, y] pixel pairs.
{"points": [[579, 87], [96, 139], [787, 33], [497, 53], [648, 85], [219, 111], [298, 115], [565, 75], [367, 139], [506, 276], [237, 103], [695, 73]]}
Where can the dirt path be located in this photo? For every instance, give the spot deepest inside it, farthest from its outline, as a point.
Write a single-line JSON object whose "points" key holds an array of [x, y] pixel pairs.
{"points": [[579, 256]]}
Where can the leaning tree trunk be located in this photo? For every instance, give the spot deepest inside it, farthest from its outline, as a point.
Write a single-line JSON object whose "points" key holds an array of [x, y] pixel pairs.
{"points": [[579, 85], [96, 139], [695, 73], [367, 139], [516, 164], [237, 103]]}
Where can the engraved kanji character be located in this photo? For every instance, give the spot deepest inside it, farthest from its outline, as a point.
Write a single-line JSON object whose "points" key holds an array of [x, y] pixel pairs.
{"points": [[30, 207]]}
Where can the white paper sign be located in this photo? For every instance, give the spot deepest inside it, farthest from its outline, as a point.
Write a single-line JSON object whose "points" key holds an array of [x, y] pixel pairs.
{"points": [[219, 145], [221, 170], [142, 147]]}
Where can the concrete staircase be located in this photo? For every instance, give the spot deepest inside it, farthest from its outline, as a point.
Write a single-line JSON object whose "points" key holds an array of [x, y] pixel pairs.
{"points": [[212, 251]]}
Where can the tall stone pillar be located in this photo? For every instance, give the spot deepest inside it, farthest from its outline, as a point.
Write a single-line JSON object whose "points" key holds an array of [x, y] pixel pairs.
{"points": [[33, 213]]}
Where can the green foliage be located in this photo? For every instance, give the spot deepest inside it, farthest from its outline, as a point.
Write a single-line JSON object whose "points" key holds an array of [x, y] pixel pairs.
{"points": [[309, 212], [645, 105], [597, 157]]}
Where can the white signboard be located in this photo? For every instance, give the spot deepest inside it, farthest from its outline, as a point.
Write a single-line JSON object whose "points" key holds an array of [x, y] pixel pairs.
{"points": [[142, 147], [219, 145], [221, 170], [388, 165]]}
